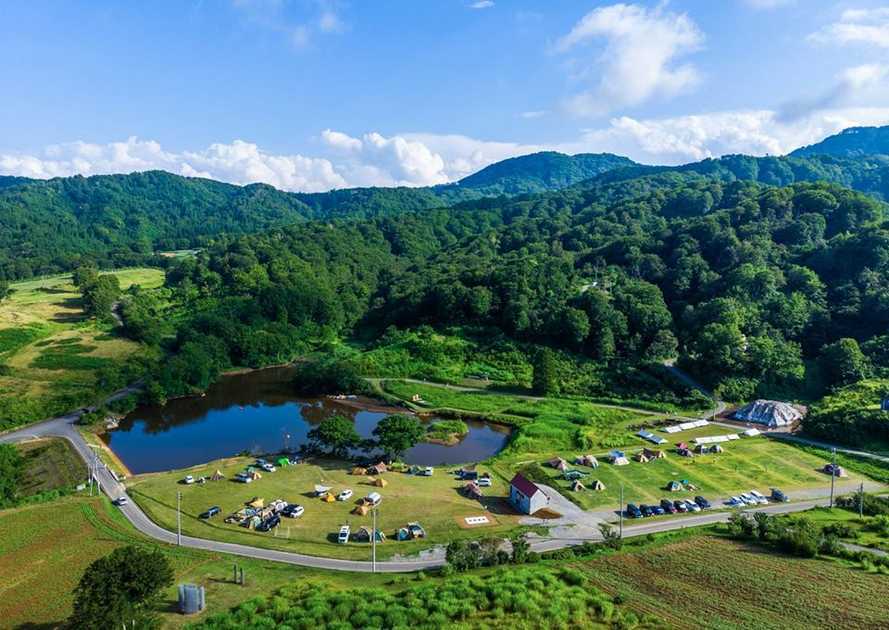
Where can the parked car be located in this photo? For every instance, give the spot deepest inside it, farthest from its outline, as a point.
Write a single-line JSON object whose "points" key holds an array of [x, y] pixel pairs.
{"points": [[343, 537], [373, 498], [704, 503], [833, 469], [633, 511], [269, 523], [692, 506], [646, 510], [120, 501], [188, 480], [779, 496], [761, 499], [427, 472], [749, 500], [213, 511], [668, 506], [345, 495], [268, 467], [293, 511], [680, 505], [484, 482], [736, 502], [243, 477], [658, 510]]}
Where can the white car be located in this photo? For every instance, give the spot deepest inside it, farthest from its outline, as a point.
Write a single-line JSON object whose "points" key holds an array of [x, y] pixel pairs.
{"points": [[746, 498], [484, 482], [268, 467], [188, 480], [343, 537], [120, 501], [293, 511], [428, 471], [345, 495], [761, 499], [243, 478], [692, 506]]}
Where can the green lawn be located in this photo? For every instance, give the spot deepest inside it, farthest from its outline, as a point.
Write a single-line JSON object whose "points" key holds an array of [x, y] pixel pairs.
{"points": [[50, 353], [705, 582], [50, 464], [433, 501], [45, 548], [751, 463]]}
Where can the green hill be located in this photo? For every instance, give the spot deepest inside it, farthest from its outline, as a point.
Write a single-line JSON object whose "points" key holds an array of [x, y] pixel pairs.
{"points": [[852, 142]]}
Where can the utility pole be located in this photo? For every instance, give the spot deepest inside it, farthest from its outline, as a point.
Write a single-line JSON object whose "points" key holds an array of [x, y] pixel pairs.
{"points": [[373, 538], [179, 518], [833, 473], [861, 501], [620, 511]]}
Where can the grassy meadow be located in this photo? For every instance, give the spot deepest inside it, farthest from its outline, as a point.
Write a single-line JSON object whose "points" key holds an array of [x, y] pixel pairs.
{"points": [[433, 501], [50, 464], [706, 582], [50, 354]]}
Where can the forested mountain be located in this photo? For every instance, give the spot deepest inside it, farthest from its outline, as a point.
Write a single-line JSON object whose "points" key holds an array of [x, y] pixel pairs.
{"points": [[852, 142], [50, 226], [749, 284]]}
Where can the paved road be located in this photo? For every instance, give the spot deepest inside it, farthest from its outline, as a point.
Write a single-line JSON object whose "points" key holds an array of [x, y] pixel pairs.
{"points": [[63, 427], [840, 449]]}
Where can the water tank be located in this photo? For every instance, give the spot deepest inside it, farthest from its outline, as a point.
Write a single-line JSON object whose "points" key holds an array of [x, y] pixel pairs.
{"points": [[191, 599]]}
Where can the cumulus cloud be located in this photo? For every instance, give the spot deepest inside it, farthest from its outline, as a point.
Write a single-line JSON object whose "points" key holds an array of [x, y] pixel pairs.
{"points": [[857, 26], [866, 82], [639, 60]]}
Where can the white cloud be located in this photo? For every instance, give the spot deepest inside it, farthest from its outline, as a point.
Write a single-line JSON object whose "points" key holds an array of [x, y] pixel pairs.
{"points": [[533, 114], [482, 4], [640, 56], [341, 141], [856, 85], [857, 26], [319, 17]]}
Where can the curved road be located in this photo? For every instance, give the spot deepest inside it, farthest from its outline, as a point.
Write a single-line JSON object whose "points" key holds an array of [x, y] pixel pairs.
{"points": [[63, 427]]}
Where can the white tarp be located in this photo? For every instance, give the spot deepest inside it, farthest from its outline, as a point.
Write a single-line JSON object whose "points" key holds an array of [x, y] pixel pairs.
{"points": [[714, 439], [685, 426]]}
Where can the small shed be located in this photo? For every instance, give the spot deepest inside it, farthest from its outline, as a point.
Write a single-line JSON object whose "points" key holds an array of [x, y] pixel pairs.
{"points": [[577, 486], [597, 485], [526, 496], [379, 482], [674, 486], [472, 490], [217, 476], [377, 469], [358, 471]]}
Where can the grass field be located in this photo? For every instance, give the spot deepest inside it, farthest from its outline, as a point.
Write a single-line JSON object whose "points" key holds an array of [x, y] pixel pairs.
{"points": [[706, 582], [50, 464], [50, 353], [433, 501], [753, 463], [45, 549]]}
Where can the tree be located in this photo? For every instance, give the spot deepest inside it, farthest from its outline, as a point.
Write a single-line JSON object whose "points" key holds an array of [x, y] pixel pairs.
{"points": [[520, 548], [5, 290], [84, 276], [337, 434], [545, 381], [610, 535], [100, 295], [10, 474], [396, 434], [461, 555], [121, 589], [843, 362]]}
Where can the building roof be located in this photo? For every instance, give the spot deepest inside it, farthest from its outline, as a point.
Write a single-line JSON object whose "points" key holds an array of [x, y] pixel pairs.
{"points": [[526, 487], [772, 413]]}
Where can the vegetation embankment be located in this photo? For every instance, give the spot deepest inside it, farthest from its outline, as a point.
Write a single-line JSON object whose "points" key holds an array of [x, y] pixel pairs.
{"points": [[58, 352]]}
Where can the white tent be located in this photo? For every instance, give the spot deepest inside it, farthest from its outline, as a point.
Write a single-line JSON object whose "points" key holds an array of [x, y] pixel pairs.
{"points": [[770, 413]]}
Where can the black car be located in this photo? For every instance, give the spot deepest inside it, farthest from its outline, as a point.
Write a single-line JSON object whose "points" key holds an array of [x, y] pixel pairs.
{"points": [[680, 505], [633, 511], [646, 510], [701, 501], [668, 506], [213, 511], [778, 496], [269, 523]]}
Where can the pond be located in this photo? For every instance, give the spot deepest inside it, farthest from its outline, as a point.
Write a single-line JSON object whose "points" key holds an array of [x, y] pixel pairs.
{"points": [[258, 412]]}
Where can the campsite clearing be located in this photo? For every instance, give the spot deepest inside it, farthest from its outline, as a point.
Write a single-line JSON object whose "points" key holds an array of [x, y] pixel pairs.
{"points": [[436, 502]]}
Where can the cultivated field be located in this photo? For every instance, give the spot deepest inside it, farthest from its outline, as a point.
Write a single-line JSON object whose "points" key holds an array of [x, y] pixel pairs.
{"points": [[49, 353], [704, 582], [45, 549], [433, 501]]}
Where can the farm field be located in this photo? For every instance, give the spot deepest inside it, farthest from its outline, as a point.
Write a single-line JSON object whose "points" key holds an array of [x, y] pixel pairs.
{"points": [[705, 582], [49, 353], [433, 501], [50, 464], [45, 549], [751, 463]]}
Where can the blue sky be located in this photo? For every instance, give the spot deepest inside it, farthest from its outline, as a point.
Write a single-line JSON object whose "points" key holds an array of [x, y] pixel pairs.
{"points": [[315, 94]]}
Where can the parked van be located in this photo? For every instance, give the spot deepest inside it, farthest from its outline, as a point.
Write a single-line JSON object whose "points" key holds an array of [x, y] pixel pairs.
{"points": [[373, 498]]}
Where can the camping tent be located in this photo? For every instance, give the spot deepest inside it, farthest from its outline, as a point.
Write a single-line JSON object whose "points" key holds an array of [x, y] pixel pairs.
{"points": [[377, 469], [577, 486], [597, 485], [361, 510], [717, 448], [571, 475], [256, 502], [254, 475], [472, 490], [558, 463], [642, 457], [217, 476], [618, 458], [770, 413], [653, 454], [358, 471], [379, 482], [283, 461], [587, 460], [674, 486], [328, 498]]}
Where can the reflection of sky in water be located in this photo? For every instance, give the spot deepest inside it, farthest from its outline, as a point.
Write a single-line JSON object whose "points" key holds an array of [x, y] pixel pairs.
{"points": [[255, 412]]}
